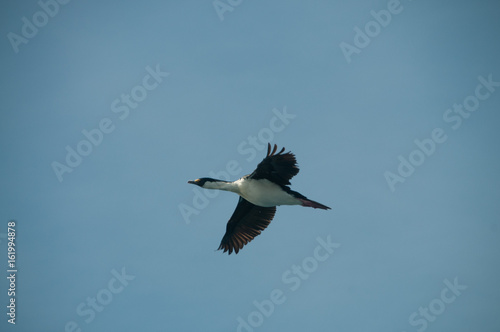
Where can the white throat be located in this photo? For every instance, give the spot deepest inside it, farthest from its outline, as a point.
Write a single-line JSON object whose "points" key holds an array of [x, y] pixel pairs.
{"points": [[221, 185]]}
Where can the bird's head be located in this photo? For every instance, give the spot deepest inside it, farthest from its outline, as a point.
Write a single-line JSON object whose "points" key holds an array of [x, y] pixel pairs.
{"points": [[201, 181]]}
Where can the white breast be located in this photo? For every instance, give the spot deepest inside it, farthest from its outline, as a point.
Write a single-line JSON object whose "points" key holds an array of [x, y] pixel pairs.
{"points": [[264, 193]]}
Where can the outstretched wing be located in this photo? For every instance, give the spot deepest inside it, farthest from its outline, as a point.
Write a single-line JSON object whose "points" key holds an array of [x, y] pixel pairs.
{"points": [[247, 221], [276, 167]]}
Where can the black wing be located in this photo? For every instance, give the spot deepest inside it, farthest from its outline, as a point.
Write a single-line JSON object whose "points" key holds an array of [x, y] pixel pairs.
{"points": [[276, 167], [247, 221]]}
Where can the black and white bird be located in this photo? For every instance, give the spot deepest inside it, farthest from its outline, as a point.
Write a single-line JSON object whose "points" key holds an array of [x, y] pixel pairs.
{"points": [[260, 193]]}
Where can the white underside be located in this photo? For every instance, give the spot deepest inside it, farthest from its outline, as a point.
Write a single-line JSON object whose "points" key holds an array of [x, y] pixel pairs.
{"points": [[263, 193]]}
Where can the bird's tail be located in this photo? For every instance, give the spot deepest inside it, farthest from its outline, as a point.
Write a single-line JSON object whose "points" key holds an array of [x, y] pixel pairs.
{"points": [[313, 204]]}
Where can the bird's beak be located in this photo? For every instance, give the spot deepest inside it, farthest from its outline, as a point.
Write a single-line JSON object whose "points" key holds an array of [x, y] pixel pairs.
{"points": [[192, 182]]}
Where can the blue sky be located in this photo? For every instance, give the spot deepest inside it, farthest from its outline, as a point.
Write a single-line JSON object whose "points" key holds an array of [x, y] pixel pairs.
{"points": [[109, 108]]}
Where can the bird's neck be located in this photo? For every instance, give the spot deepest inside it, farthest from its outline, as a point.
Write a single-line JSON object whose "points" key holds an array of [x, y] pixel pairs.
{"points": [[221, 185]]}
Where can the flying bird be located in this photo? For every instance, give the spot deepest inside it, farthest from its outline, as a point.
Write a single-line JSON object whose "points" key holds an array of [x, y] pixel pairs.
{"points": [[260, 192]]}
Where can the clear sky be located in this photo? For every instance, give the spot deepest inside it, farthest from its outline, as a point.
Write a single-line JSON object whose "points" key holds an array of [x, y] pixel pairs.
{"points": [[392, 109]]}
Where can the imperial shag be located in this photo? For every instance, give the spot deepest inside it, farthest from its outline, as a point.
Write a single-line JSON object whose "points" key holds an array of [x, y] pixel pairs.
{"points": [[260, 192]]}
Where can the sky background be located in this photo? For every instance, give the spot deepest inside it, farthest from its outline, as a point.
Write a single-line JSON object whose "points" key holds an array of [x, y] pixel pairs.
{"points": [[122, 209]]}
